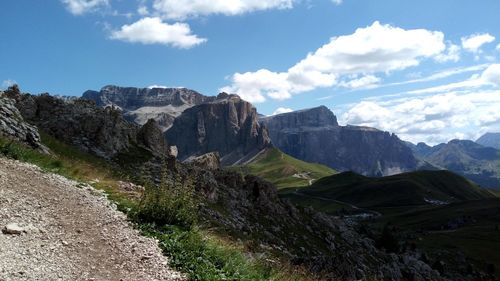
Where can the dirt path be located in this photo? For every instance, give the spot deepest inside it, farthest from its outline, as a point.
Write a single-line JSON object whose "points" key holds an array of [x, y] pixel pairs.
{"points": [[69, 232]]}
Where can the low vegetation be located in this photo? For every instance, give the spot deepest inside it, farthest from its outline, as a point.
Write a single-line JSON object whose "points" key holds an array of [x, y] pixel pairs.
{"points": [[407, 190], [285, 171], [167, 212]]}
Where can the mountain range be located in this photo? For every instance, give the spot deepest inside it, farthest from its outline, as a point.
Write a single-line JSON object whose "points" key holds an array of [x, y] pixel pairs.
{"points": [[331, 223], [476, 162], [197, 124]]}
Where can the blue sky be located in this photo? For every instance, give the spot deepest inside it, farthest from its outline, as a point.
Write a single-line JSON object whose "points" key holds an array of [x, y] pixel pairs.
{"points": [[425, 70]]}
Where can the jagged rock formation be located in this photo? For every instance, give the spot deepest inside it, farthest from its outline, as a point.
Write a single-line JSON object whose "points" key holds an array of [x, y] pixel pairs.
{"points": [[13, 126], [490, 140], [467, 158], [101, 131], [313, 135], [210, 161], [141, 104], [227, 125]]}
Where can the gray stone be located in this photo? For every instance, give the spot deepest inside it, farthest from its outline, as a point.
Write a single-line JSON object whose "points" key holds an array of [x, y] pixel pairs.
{"points": [[13, 228]]}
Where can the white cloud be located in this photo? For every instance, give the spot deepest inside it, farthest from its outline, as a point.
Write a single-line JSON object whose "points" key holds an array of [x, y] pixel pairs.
{"points": [[154, 31], [182, 9], [157, 86], [337, 2], [439, 117], [281, 110], [79, 7], [431, 119], [365, 82], [143, 10], [452, 54], [473, 43], [490, 76], [498, 47], [374, 49], [7, 83]]}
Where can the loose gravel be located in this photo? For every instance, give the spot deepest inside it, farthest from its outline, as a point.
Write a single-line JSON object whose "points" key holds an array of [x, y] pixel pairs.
{"points": [[69, 231]]}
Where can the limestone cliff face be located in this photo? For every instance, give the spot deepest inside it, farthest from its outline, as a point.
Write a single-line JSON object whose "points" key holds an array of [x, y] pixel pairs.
{"points": [[314, 136], [141, 104], [79, 122], [227, 125], [13, 125]]}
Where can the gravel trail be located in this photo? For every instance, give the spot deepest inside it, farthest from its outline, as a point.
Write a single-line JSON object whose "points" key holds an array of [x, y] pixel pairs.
{"points": [[69, 232]]}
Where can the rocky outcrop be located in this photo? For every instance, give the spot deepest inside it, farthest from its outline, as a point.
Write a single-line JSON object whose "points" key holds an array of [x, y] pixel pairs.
{"points": [[79, 122], [152, 137], [13, 126], [490, 140], [314, 135], [227, 125], [141, 104], [210, 161]]}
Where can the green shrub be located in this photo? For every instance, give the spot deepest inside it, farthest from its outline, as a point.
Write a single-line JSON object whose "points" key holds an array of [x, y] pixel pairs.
{"points": [[172, 202], [203, 259]]}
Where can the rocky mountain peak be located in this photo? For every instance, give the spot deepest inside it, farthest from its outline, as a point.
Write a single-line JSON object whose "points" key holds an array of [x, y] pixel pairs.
{"points": [[313, 117], [313, 135], [228, 125], [141, 104]]}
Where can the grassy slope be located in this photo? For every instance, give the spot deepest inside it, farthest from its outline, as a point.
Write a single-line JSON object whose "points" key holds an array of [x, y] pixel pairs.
{"points": [[202, 254], [478, 238], [279, 168], [403, 190]]}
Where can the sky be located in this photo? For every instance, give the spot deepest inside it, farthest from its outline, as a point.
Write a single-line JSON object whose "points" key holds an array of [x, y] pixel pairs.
{"points": [[428, 71]]}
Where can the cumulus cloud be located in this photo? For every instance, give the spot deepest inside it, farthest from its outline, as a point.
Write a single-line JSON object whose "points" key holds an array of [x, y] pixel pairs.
{"points": [[182, 9], [152, 30], [79, 7], [473, 43], [431, 119], [452, 54], [492, 75], [281, 110], [439, 117], [374, 49]]}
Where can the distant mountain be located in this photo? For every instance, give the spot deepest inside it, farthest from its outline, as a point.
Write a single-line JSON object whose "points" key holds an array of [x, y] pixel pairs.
{"points": [[313, 135], [228, 125], [403, 190], [474, 161], [285, 171], [490, 140], [141, 104]]}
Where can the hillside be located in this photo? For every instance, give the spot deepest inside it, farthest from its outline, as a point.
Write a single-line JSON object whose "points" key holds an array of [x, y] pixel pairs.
{"points": [[285, 171], [470, 228], [476, 162], [490, 140], [408, 189]]}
